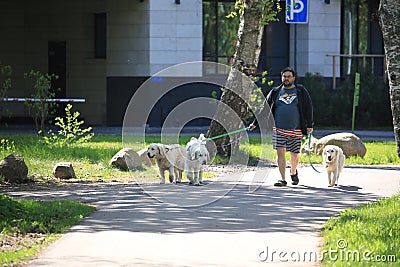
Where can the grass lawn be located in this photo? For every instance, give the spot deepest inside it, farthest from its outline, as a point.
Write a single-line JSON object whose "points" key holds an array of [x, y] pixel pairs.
{"points": [[378, 153], [91, 160], [27, 225], [366, 236]]}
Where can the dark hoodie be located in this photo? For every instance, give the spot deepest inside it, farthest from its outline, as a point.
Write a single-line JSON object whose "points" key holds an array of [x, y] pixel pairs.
{"points": [[304, 105]]}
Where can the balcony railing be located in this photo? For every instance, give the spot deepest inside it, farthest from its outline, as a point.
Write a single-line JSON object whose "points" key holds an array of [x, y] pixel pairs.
{"points": [[364, 57]]}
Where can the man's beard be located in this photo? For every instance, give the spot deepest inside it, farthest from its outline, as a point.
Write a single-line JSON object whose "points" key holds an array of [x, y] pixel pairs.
{"points": [[287, 84]]}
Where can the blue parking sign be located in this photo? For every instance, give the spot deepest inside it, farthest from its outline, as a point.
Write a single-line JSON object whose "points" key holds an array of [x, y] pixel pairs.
{"points": [[296, 11]]}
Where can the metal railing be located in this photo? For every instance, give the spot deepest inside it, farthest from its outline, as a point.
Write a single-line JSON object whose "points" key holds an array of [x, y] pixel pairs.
{"points": [[364, 58]]}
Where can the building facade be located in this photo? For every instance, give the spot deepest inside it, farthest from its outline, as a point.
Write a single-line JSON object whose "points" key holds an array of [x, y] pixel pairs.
{"points": [[103, 50]]}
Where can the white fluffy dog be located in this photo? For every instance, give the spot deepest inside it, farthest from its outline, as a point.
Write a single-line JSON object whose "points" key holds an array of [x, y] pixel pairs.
{"points": [[169, 158], [196, 156], [333, 161]]}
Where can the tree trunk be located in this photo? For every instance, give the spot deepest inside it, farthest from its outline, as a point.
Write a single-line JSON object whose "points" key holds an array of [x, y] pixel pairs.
{"points": [[389, 19], [233, 107]]}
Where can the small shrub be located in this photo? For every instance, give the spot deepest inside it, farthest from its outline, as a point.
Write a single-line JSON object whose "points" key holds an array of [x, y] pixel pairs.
{"points": [[333, 108], [70, 130], [5, 85], [40, 110], [7, 145]]}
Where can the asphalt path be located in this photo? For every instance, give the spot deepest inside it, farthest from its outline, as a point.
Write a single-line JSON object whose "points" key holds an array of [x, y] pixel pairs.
{"points": [[238, 220]]}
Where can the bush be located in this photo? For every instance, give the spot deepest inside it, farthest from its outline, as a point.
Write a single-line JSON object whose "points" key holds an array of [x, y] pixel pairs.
{"points": [[70, 130], [5, 85], [333, 108], [40, 110]]}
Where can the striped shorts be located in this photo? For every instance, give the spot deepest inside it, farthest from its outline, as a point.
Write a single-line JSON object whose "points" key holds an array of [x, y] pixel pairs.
{"points": [[289, 139]]}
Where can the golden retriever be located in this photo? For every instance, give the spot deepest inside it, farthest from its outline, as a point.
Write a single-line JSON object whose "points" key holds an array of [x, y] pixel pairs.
{"points": [[333, 161], [169, 158], [196, 156]]}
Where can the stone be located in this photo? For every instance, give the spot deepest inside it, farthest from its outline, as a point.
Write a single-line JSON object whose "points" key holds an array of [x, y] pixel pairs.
{"points": [[350, 143], [127, 159], [13, 169], [145, 159], [304, 147], [64, 170]]}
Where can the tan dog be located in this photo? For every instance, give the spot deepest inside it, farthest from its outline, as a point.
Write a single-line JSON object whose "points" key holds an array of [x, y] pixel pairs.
{"points": [[333, 161], [169, 158], [196, 156]]}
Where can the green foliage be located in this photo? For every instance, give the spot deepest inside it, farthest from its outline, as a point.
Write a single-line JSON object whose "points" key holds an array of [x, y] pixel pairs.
{"points": [[365, 236], [91, 159], [27, 216], [378, 153], [5, 85], [40, 110], [268, 8], [374, 105], [333, 108], [70, 130], [44, 219], [257, 97], [7, 145]]}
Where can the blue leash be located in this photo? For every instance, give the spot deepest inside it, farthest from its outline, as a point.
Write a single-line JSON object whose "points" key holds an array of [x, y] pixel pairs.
{"points": [[309, 153]]}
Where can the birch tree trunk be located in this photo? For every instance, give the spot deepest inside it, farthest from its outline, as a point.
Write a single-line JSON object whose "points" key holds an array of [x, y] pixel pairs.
{"points": [[389, 20], [233, 108]]}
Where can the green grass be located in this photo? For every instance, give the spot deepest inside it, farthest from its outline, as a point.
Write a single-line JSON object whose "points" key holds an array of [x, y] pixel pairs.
{"points": [[91, 160], [366, 236], [378, 153], [28, 225], [378, 222]]}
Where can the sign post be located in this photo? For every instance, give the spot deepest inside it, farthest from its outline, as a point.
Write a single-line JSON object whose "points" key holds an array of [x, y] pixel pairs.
{"points": [[356, 98], [296, 11]]}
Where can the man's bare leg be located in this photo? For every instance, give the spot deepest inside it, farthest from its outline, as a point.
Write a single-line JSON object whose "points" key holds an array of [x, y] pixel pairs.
{"points": [[281, 151], [294, 162]]}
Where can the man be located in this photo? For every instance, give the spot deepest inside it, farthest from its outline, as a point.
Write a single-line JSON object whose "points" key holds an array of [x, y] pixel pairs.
{"points": [[292, 109]]}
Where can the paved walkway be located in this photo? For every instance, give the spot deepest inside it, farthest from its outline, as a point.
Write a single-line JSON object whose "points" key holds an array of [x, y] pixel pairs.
{"points": [[234, 225]]}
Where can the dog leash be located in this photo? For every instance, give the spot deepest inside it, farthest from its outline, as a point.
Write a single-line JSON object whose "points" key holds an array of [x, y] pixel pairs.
{"points": [[246, 129], [309, 153], [226, 134], [236, 140]]}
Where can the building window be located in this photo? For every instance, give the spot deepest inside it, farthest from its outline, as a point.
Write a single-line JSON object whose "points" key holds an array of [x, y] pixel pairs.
{"points": [[100, 35], [219, 32], [274, 54], [220, 37], [361, 36]]}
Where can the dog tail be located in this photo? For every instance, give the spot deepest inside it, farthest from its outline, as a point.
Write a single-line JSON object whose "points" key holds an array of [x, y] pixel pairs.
{"points": [[201, 137]]}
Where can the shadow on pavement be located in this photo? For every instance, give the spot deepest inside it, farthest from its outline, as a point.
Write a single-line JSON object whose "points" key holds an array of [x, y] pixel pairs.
{"points": [[126, 207]]}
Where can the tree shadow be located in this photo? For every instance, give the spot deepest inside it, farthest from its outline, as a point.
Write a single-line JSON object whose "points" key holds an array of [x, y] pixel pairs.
{"points": [[127, 207]]}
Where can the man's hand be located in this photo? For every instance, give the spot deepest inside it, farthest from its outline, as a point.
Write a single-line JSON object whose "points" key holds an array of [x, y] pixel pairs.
{"points": [[252, 127]]}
